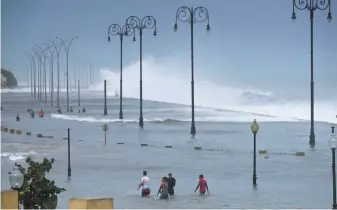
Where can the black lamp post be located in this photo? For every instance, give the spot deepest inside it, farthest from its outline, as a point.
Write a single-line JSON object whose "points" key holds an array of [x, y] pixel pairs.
{"points": [[333, 145], [67, 48], [39, 61], [148, 22], [105, 112], [126, 30], [312, 6], [32, 64], [52, 58], [57, 50], [69, 167], [192, 16], [16, 179], [44, 78], [34, 74], [254, 128]]}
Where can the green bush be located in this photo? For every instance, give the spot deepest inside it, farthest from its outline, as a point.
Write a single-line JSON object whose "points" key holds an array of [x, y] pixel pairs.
{"points": [[37, 191]]}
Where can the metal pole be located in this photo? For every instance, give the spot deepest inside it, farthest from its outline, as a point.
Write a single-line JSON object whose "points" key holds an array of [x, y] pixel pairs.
{"points": [[193, 129], [312, 130], [334, 205], [45, 78], [69, 167], [105, 108], [254, 162], [52, 83], [121, 82], [67, 84], [75, 77], [90, 74], [58, 80], [38, 77], [141, 122], [105, 137], [35, 79], [79, 96]]}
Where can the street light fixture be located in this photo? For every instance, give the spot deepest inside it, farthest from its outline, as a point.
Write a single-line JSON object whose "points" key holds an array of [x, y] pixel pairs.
{"points": [[67, 48], [254, 128], [148, 22], [192, 16], [333, 145], [312, 6], [126, 30]]}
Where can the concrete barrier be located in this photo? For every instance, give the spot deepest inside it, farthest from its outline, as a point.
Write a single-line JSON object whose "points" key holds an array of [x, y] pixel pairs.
{"points": [[214, 150], [91, 203], [262, 152], [300, 153], [9, 199], [120, 142], [197, 148], [6, 130], [168, 146], [11, 131], [28, 133], [19, 132], [144, 145]]}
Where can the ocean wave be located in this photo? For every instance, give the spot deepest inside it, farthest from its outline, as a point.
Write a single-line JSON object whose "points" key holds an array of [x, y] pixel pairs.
{"points": [[237, 118], [18, 155]]}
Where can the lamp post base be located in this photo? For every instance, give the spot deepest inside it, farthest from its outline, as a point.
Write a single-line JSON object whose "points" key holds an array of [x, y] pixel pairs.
{"points": [[105, 112], [193, 129], [312, 141], [334, 206], [141, 122], [254, 179], [120, 115], [69, 173]]}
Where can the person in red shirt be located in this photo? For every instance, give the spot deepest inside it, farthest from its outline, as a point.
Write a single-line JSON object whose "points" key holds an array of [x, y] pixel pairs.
{"points": [[202, 185]]}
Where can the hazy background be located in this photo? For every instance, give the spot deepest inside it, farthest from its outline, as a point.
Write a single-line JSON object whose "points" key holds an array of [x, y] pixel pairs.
{"points": [[253, 53]]}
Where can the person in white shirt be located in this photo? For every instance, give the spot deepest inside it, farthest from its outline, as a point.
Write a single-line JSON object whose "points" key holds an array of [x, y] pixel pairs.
{"points": [[144, 183]]}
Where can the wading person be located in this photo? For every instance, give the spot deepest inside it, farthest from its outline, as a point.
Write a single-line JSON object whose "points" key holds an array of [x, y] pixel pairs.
{"points": [[171, 184], [144, 183], [163, 189], [202, 185]]}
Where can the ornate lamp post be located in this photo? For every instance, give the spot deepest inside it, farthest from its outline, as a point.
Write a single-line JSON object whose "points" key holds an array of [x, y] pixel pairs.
{"points": [[39, 61], [51, 85], [312, 6], [126, 30], [333, 145], [57, 50], [254, 128], [43, 51], [148, 22], [32, 65], [67, 48], [192, 15]]}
